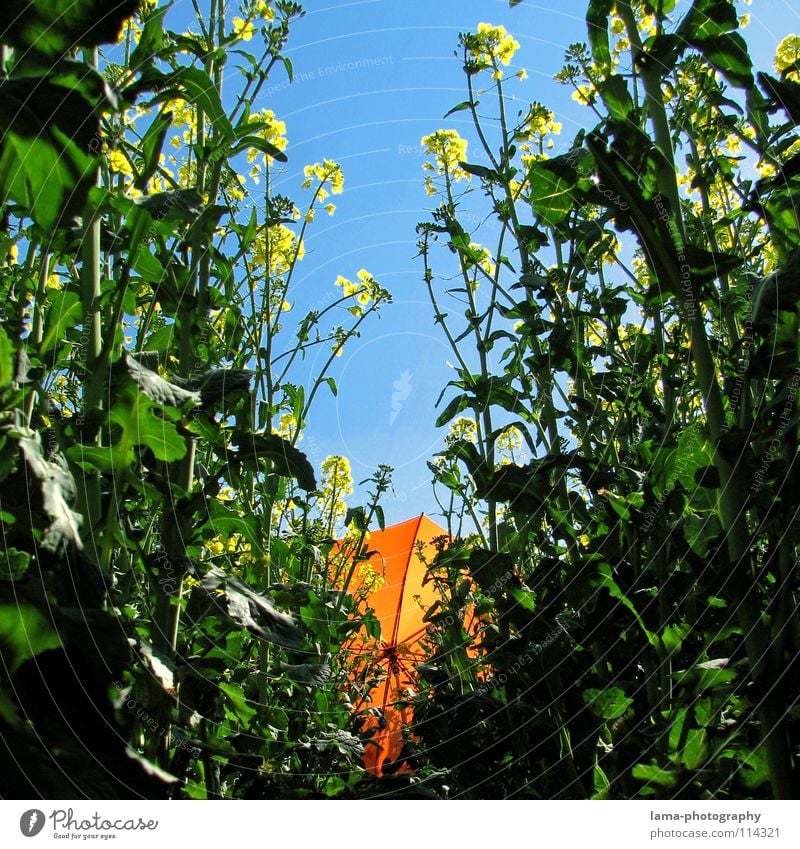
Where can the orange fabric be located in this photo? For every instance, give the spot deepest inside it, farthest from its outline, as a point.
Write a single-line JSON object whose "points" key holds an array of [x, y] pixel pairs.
{"points": [[399, 605]]}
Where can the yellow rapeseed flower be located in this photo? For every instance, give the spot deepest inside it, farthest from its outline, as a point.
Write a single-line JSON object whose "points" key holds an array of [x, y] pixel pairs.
{"points": [[243, 29], [787, 55], [493, 44]]}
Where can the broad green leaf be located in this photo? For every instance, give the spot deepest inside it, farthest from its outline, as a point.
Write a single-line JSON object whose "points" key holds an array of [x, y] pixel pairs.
{"points": [[597, 18], [237, 701], [233, 598], [201, 90], [606, 579], [54, 27], [147, 266], [285, 458], [64, 311], [610, 703], [457, 405], [257, 143], [728, 54], [652, 773], [24, 633], [617, 97], [550, 193], [141, 422], [6, 359], [48, 132]]}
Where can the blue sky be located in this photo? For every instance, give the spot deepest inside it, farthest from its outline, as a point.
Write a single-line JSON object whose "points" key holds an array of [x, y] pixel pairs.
{"points": [[371, 78]]}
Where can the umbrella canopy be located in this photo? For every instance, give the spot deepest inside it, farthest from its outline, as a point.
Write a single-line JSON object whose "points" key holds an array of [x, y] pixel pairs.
{"points": [[399, 554]]}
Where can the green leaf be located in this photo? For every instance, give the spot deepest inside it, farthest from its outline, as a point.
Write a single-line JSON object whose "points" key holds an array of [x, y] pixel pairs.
{"points": [[146, 265], [237, 701], [151, 146], [286, 459], [652, 773], [460, 107], [48, 134], [610, 703], [57, 489], [64, 311], [247, 609], [157, 389], [617, 97], [6, 359], [783, 94], [728, 54], [54, 27], [493, 571], [24, 633], [606, 579], [141, 422], [151, 39], [480, 171], [673, 636], [597, 16], [201, 90], [550, 193], [708, 19], [263, 145], [457, 405]]}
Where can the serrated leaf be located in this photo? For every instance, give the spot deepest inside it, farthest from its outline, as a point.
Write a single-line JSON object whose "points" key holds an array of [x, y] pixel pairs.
{"points": [[157, 389], [58, 491], [141, 422], [249, 610]]}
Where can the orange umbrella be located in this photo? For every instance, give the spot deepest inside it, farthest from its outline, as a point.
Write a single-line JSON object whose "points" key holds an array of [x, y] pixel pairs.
{"points": [[399, 554]]}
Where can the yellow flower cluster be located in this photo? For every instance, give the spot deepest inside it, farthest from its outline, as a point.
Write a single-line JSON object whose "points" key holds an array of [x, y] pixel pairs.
{"points": [[337, 482], [509, 446], [274, 132], [536, 131], [234, 544], [447, 149], [119, 163], [287, 426], [325, 172], [365, 290], [277, 250], [493, 44], [462, 428], [368, 578], [787, 57], [243, 29]]}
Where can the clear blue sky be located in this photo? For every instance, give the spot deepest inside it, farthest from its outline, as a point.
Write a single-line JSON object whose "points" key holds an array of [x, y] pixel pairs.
{"points": [[371, 78]]}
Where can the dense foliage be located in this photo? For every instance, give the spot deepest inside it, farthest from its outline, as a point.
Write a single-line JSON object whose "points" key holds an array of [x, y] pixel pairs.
{"points": [[618, 607], [626, 621]]}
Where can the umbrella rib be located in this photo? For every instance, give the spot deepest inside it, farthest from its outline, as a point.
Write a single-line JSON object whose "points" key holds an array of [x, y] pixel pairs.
{"points": [[403, 584]]}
